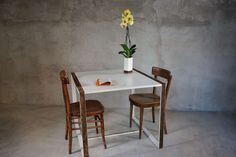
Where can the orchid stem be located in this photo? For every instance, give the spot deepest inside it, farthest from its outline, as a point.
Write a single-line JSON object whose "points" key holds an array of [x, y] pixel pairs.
{"points": [[127, 37]]}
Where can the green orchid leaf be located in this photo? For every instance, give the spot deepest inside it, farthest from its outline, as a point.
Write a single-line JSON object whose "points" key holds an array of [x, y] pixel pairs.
{"points": [[133, 46], [133, 50], [125, 47], [132, 53], [124, 55], [121, 52], [127, 52]]}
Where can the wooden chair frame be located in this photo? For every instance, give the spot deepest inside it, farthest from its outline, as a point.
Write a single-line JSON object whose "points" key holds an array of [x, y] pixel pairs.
{"points": [[70, 118], [157, 72]]}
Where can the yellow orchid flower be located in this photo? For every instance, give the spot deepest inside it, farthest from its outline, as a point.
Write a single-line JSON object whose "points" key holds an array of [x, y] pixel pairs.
{"points": [[127, 18], [124, 22], [123, 25], [130, 19], [126, 12]]}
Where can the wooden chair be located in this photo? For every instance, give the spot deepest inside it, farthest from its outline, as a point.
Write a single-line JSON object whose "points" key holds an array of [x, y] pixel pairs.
{"points": [[147, 100], [94, 109]]}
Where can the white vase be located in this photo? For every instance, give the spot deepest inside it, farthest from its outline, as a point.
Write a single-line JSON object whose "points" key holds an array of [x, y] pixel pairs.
{"points": [[128, 65]]}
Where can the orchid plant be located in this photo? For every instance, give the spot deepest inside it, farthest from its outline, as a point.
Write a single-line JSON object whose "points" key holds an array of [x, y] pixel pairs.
{"points": [[127, 20]]}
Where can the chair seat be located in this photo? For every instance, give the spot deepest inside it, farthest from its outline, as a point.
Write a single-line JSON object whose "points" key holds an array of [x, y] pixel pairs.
{"points": [[93, 107], [144, 99]]}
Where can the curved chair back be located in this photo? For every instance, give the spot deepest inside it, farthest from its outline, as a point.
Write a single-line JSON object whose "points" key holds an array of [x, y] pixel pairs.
{"points": [[64, 83], [165, 74]]}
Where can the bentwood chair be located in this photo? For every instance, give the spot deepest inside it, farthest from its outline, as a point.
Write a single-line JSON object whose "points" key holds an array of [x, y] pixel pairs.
{"points": [[150, 100], [94, 109]]}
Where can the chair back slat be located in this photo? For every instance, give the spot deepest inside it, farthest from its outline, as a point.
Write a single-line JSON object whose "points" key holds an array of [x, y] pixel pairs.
{"points": [[81, 92], [165, 74], [78, 84], [66, 97]]}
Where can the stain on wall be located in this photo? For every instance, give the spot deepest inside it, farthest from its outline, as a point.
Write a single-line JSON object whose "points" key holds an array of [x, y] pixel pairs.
{"points": [[193, 39]]}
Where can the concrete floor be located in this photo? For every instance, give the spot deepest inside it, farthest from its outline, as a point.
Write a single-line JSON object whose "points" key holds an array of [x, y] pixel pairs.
{"points": [[38, 131]]}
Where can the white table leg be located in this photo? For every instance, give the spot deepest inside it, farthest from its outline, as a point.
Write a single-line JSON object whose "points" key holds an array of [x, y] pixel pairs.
{"points": [[160, 114], [73, 90], [75, 98], [79, 136], [147, 133]]}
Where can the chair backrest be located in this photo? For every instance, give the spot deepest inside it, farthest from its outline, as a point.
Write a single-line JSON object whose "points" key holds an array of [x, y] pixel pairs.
{"points": [[165, 74], [80, 88], [78, 84], [66, 97], [82, 105]]}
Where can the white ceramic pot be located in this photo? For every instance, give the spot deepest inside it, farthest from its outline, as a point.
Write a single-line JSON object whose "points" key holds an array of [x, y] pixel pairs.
{"points": [[128, 65]]}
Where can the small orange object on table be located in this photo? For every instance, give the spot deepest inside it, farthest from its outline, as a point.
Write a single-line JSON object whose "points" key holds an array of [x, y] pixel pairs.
{"points": [[97, 82], [107, 83]]}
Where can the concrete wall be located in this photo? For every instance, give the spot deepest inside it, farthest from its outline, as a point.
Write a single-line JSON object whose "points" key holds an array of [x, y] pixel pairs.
{"points": [[193, 39]]}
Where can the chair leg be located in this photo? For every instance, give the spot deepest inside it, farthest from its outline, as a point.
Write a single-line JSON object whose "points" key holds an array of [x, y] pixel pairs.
{"points": [[103, 131], [165, 128], [96, 124], [66, 133], [70, 137], [130, 115], [140, 122], [153, 114]]}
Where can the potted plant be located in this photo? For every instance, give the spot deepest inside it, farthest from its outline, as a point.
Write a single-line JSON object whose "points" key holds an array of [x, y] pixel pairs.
{"points": [[128, 51]]}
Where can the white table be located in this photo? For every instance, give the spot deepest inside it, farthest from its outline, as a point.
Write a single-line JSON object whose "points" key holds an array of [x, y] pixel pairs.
{"points": [[120, 81]]}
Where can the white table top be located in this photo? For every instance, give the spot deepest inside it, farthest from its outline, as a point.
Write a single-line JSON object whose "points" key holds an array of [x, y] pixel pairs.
{"points": [[120, 81]]}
